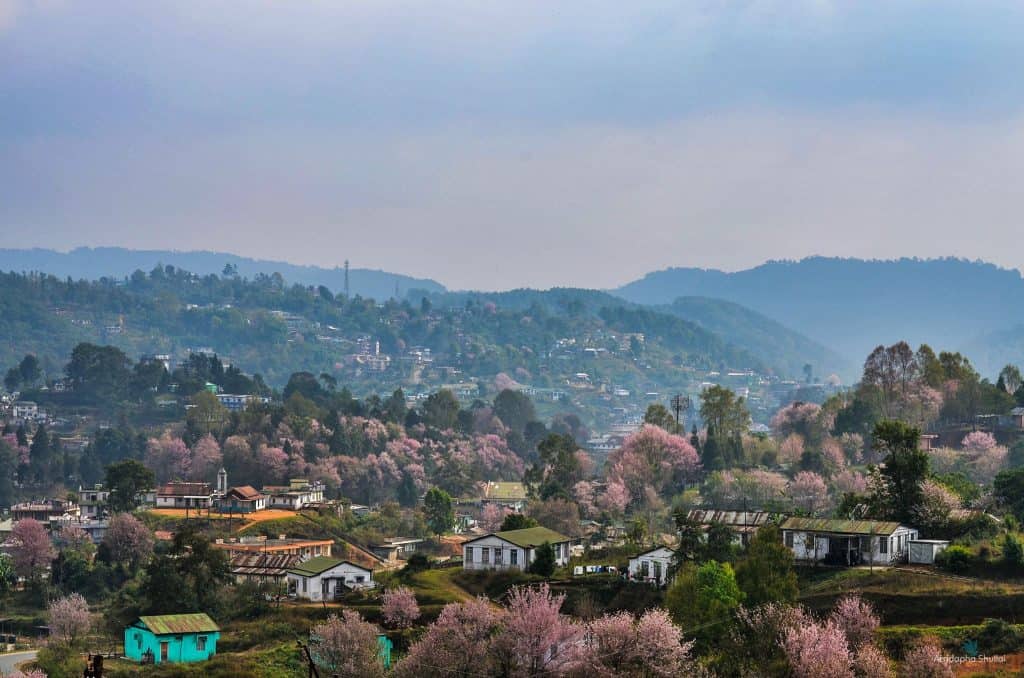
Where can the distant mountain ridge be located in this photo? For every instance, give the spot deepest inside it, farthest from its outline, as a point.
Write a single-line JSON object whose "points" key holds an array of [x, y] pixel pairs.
{"points": [[853, 305], [93, 263]]}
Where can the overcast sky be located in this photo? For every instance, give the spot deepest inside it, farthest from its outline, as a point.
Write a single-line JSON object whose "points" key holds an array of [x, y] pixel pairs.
{"points": [[493, 144]]}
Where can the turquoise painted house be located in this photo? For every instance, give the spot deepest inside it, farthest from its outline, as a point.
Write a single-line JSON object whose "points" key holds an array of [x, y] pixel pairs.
{"points": [[385, 646], [171, 638]]}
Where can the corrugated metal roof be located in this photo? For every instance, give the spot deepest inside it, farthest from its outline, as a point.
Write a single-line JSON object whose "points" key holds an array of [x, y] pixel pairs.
{"points": [[841, 526], [734, 519], [184, 490], [263, 563], [165, 624], [505, 490]]}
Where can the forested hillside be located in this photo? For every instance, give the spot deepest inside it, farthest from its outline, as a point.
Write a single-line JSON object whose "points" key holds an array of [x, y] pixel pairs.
{"points": [[269, 327]]}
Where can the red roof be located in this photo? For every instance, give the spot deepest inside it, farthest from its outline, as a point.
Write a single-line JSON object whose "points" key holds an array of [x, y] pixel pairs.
{"points": [[184, 490], [245, 492]]}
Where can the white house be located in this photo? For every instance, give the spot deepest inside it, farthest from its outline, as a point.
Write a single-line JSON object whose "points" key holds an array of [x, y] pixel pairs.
{"points": [[848, 542], [513, 549], [294, 496], [323, 578], [184, 496], [651, 566], [24, 410]]}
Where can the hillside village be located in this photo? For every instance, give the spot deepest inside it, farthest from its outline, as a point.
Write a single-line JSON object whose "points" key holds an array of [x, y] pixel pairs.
{"points": [[162, 514]]}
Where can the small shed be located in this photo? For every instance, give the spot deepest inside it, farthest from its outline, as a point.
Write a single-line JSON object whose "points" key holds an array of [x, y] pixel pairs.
{"points": [[923, 551], [171, 638]]}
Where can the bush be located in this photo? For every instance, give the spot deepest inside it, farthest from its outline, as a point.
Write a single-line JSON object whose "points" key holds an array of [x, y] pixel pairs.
{"points": [[956, 559], [1013, 552], [60, 660]]}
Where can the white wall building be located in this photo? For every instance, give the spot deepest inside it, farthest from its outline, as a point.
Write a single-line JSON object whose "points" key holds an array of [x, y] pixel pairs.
{"points": [[652, 566], [848, 542], [513, 549], [323, 578]]}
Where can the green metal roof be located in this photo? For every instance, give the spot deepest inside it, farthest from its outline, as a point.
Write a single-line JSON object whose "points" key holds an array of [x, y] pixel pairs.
{"points": [[505, 490], [841, 526], [165, 624], [319, 565], [531, 536]]}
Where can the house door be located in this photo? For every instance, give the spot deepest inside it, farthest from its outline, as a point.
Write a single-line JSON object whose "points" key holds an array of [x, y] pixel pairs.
{"points": [[657, 571], [325, 588], [164, 648]]}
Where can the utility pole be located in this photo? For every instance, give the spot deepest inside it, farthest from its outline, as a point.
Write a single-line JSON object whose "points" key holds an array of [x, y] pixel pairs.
{"points": [[680, 403], [346, 279]]}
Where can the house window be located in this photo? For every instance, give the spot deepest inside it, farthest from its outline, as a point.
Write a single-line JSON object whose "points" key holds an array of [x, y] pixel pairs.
{"points": [[469, 554], [485, 555], [789, 539], [513, 557], [360, 579], [497, 556], [657, 570], [645, 568], [883, 545], [201, 643], [303, 585]]}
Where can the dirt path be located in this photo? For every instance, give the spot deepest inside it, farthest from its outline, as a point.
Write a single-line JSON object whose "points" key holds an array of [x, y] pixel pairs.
{"points": [[244, 520]]}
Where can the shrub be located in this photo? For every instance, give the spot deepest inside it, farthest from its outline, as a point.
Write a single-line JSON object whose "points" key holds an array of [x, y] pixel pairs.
{"points": [[956, 559], [1013, 552]]}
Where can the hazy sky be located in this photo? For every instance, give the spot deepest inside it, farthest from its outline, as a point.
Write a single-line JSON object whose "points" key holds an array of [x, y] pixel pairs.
{"points": [[491, 144]]}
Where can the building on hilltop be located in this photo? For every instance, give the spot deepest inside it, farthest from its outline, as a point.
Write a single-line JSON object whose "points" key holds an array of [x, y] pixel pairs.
{"points": [[180, 495], [848, 542], [324, 578], [243, 499], [513, 549]]}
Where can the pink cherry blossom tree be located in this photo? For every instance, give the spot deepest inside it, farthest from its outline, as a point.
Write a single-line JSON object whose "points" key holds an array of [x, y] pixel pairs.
{"points": [[128, 542], [457, 644], [615, 498], [978, 441], [850, 482], [818, 650], [937, 502], [653, 457], [925, 661], [791, 449], [537, 638], [660, 647], [799, 418], [492, 517], [206, 459], [168, 457], [346, 646], [870, 662], [808, 491], [32, 550], [400, 608], [69, 618], [611, 644], [273, 463], [857, 619], [31, 673]]}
